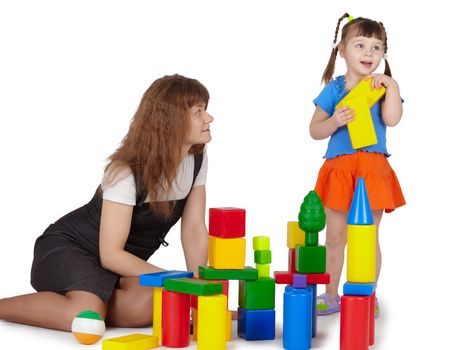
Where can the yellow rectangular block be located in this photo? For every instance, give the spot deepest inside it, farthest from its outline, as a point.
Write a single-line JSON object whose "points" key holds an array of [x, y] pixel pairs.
{"points": [[131, 342], [226, 253], [263, 270], [229, 318], [157, 313], [361, 129], [295, 235], [363, 88], [194, 317], [211, 322], [361, 249]]}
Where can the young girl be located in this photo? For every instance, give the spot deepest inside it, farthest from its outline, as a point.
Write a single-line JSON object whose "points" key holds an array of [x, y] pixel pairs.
{"points": [[91, 258], [363, 44]]}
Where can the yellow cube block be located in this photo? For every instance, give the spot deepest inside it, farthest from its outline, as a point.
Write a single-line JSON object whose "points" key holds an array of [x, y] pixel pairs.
{"points": [[263, 270], [295, 235], [131, 342], [226, 253], [261, 243], [157, 313], [361, 249], [211, 322]]}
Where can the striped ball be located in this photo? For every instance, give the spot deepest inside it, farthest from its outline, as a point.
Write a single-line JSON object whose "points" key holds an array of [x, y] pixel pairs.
{"points": [[88, 327]]}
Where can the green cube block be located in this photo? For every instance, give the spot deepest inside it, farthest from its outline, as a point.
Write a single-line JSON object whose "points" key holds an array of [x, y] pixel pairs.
{"points": [[261, 243], [193, 286], [262, 256], [209, 273], [258, 294], [310, 259]]}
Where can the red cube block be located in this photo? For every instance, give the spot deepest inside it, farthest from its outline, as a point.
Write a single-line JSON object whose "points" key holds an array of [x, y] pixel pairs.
{"points": [[227, 222]]}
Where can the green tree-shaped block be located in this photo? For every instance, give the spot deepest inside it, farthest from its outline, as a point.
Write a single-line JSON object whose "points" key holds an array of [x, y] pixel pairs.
{"points": [[311, 217]]}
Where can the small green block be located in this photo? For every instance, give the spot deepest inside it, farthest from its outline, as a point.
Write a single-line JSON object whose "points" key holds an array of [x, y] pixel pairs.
{"points": [[258, 294], [193, 286], [263, 270], [262, 256], [209, 273], [310, 259], [261, 243], [311, 238]]}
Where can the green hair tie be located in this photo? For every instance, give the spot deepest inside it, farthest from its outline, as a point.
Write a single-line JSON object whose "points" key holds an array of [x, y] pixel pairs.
{"points": [[350, 18]]}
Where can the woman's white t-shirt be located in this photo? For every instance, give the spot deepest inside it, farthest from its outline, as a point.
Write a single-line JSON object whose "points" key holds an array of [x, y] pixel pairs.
{"points": [[123, 189]]}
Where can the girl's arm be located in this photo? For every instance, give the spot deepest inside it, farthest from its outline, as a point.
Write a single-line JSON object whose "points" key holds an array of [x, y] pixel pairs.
{"points": [[194, 234], [322, 125], [114, 229], [392, 105]]}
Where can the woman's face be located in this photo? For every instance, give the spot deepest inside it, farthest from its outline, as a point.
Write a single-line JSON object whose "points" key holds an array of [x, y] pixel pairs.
{"points": [[200, 120]]}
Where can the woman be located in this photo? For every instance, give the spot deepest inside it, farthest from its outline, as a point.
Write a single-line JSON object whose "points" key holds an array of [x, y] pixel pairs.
{"points": [[91, 258]]}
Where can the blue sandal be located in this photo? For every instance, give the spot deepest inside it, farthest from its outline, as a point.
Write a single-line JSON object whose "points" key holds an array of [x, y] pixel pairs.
{"points": [[326, 304]]}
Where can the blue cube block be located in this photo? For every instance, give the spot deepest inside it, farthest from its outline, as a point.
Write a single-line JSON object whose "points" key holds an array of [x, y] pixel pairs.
{"points": [[156, 279], [256, 324]]}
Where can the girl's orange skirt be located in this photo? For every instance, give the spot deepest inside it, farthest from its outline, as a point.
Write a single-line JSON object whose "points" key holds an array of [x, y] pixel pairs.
{"points": [[338, 176]]}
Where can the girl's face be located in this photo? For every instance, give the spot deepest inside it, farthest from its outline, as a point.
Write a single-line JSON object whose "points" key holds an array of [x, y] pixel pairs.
{"points": [[200, 120], [362, 54]]}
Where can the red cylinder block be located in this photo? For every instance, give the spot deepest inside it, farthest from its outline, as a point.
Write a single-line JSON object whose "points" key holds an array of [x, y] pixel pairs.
{"points": [[354, 322], [372, 319], [175, 319]]}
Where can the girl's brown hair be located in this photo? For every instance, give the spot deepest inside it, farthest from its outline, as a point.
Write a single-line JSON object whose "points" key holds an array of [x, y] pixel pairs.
{"points": [[153, 145], [358, 27]]}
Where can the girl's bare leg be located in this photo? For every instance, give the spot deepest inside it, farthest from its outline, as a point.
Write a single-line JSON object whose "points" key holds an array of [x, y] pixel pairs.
{"points": [[336, 239]]}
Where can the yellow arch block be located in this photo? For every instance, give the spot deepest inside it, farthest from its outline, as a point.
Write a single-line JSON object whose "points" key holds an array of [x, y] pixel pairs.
{"points": [[361, 248], [157, 313], [361, 98], [295, 235], [212, 322]]}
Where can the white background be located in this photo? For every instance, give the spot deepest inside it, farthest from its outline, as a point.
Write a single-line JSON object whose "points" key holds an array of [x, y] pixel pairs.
{"points": [[72, 74]]}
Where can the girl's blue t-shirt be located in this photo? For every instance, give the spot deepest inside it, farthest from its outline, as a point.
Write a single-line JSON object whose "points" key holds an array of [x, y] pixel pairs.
{"points": [[340, 142]]}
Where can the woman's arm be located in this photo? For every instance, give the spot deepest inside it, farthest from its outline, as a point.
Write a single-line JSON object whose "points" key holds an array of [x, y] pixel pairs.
{"points": [[114, 229], [322, 125], [194, 234]]}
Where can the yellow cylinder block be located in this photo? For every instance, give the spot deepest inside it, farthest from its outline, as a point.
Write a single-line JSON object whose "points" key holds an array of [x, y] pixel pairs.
{"points": [[211, 322], [361, 247]]}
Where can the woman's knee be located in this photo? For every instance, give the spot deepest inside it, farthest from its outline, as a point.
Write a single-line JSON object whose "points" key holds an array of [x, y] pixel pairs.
{"points": [[83, 301]]}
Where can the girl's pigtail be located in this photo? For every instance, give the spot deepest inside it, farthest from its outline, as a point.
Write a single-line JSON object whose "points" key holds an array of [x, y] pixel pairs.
{"points": [[385, 49], [330, 68]]}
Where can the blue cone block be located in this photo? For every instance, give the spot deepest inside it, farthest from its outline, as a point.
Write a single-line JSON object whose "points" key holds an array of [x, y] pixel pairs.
{"points": [[360, 210]]}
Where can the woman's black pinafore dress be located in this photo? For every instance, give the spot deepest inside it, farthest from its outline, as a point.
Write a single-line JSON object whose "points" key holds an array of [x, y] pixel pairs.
{"points": [[66, 255]]}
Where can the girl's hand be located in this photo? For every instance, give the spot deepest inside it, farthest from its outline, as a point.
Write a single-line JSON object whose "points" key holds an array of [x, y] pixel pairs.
{"points": [[343, 116], [381, 79]]}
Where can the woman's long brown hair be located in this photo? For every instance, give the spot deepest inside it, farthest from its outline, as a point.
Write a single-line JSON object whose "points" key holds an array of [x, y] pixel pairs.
{"points": [[152, 147]]}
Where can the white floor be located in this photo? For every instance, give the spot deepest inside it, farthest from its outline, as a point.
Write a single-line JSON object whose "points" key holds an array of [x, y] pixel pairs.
{"points": [[388, 336]]}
